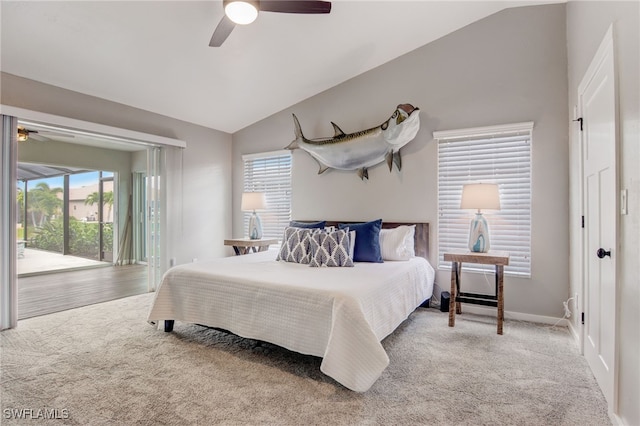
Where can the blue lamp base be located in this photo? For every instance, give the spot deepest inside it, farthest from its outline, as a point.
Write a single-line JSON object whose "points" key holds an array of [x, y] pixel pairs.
{"points": [[255, 227], [479, 234]]}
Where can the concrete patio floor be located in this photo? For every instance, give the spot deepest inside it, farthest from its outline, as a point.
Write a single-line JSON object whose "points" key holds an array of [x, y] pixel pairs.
{"points": [[36, 262]]}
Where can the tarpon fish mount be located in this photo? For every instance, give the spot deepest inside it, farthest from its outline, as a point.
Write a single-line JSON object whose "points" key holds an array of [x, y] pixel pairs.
{"points": [[361, 150]]}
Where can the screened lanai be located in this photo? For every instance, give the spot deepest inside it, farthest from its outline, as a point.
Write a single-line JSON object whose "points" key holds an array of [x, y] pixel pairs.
{"points": [[65, 218]]}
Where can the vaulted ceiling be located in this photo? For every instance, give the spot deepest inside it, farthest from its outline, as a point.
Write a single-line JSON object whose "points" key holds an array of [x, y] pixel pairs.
{"points": [[154, 55]]}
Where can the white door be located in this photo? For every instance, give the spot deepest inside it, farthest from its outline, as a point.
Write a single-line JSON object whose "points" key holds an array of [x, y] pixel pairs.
{"points": [[597, 102]]}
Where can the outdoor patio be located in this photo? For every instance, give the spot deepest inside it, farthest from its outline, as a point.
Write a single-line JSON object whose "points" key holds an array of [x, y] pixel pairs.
{"points": [[34, 262]]}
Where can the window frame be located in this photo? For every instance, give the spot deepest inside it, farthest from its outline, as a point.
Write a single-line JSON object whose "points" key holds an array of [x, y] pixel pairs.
{"points": [[274, 219], [515, 180]]}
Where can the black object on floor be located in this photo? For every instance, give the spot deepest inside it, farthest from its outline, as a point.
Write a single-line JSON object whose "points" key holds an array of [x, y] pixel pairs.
{"points": [[444, 301]]}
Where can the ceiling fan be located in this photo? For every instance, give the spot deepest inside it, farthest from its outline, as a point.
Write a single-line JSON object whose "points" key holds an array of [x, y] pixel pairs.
{"points": [[246, 11], [25, 134]]}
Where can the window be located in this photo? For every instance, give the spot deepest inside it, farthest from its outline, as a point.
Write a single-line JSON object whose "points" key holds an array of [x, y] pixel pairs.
{"points": [[495, 154], [270, 172]]}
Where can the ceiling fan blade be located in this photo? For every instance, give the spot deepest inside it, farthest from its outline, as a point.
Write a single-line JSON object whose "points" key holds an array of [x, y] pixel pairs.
{"points": [[222, 31], [46, 132], [37, 137], [295, 6]]}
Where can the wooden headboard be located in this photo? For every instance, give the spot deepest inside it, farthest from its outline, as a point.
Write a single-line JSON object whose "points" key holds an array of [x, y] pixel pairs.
{"points": [[421, 237]]}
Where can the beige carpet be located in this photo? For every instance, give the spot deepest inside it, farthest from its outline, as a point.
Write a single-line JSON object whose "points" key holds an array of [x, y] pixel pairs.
{"points": [[103, 364]]}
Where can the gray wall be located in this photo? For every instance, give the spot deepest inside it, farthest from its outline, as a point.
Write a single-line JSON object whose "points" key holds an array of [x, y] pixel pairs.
{"points": [[587, 23], [204, 192], [507, 68]]}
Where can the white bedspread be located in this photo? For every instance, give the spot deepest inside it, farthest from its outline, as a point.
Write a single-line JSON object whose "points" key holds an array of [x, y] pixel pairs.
{"points": [[339, 314]]}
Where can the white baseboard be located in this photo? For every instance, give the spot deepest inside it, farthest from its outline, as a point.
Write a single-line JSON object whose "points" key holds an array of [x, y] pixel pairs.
{"points": [[519, 316]]}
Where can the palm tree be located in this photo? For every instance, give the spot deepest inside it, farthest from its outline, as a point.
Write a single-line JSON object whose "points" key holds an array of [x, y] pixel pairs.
{"points": [[44, 201], [94, 198]]}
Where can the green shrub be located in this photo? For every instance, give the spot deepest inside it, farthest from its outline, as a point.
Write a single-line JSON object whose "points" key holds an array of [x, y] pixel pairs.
{"points": [[48, 237], [83, 237]]}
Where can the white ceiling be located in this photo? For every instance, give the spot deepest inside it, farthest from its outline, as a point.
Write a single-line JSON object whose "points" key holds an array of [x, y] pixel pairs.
{"points": [[154, 55]]}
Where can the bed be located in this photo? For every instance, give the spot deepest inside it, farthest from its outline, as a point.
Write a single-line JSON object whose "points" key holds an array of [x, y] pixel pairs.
{"points": [[339, 314]]}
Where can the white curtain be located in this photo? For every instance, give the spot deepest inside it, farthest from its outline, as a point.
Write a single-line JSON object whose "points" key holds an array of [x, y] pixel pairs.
{"points": [[164, 210], [154, 211], [8, 261]]}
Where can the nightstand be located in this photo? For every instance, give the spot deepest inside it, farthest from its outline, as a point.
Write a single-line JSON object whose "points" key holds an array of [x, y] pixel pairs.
{"points": [[497, 258], [247, 245]]}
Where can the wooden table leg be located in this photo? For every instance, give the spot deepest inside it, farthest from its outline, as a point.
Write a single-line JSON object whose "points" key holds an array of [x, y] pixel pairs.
{"points": [[452, 296], [458, 275], [499, 278]]}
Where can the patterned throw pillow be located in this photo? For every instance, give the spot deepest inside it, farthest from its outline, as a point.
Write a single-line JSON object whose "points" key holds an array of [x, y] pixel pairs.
{"points": [[296, 245], [330, 249]]}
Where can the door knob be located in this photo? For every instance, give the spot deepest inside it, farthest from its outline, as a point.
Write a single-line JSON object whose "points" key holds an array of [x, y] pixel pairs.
{"points": [[602, 253]]}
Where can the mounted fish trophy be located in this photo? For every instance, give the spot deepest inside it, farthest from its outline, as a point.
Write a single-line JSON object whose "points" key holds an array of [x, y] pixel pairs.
{"points": [[361, 150]]}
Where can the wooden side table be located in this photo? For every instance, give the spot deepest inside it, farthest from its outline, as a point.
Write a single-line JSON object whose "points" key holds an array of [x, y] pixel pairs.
{"points": [[247, 245], [498, 258]]}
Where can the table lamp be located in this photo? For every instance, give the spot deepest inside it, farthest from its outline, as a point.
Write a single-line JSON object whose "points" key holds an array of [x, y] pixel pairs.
{"points": [[252, 201], [479, 196]]}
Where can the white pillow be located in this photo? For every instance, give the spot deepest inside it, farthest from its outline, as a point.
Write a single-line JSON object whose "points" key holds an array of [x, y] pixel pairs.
{"points": [[352, 243], [398, 243]]}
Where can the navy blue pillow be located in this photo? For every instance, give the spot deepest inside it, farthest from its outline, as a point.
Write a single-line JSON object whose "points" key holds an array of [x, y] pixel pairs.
{"points": [[319, 225], [367, 248]]}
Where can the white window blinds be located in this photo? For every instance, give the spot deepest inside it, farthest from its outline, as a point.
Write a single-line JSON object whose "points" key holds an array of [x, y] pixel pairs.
{"points": [[270, 172], [495, 154]]}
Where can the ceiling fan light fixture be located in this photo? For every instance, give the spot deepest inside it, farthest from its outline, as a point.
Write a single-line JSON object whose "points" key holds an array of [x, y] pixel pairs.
{"points": [[23, 134], [241, 12]]}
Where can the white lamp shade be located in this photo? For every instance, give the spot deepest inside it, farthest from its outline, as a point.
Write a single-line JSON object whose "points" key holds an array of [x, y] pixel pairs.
{"points": [[252, 201], [480, 196], [241, 12]]}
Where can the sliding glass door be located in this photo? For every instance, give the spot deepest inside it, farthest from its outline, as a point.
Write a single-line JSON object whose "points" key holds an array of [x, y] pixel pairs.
{"points": [[106, 196], [157, 184]]}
